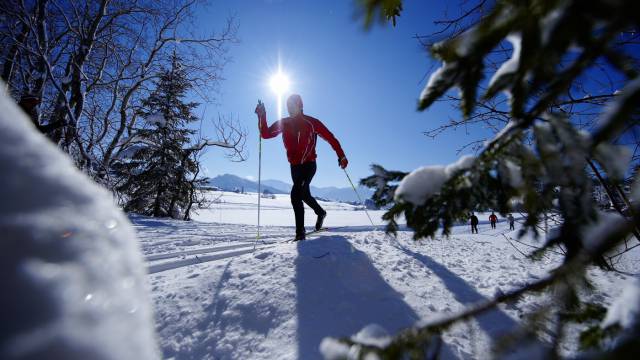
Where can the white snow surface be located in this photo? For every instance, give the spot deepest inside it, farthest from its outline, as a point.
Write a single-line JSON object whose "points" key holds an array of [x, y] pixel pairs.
{"points": [[215, 298], [70, 265], [426, 181]]}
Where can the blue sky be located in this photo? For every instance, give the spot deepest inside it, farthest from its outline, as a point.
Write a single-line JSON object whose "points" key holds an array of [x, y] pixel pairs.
{"points": [[362, 84]]}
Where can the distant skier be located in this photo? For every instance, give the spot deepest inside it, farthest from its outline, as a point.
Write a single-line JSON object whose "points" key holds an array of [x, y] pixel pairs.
{"points": [[493, 219], [299, 135], [474, 223], [512, 222]]}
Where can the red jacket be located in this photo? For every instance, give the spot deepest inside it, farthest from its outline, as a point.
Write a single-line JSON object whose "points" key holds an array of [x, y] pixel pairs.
{"points": [[493, 218], [299, 135]]}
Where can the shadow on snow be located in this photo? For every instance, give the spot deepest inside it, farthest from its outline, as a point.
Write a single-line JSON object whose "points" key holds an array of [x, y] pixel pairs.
{"points": [[495, 323], [340, 293]]}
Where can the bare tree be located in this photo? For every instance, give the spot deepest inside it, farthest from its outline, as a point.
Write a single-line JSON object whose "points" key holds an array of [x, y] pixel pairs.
{"points": [[80, 69]]}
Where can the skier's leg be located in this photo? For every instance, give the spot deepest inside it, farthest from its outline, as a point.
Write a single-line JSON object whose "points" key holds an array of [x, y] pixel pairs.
{"points": [[296, 199], [309, 172]]}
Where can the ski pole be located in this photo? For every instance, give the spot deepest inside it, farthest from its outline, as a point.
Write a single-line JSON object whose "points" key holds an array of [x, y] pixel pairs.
{"points": [[259, 178], [359, 198]]}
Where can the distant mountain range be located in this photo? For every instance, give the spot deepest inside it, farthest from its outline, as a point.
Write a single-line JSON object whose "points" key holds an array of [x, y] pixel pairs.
{"points": [[230, 182]]}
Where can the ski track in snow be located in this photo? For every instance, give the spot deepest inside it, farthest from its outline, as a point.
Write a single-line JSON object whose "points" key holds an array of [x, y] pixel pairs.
{"points": [[193, 252], [215, 298]]}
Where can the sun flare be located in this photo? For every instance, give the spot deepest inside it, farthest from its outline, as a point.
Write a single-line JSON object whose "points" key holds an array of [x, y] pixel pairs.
{"points": [[279, 83]]}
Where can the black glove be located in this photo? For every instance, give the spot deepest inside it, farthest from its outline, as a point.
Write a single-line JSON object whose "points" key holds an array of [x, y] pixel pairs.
{"points": [[343, 162]]}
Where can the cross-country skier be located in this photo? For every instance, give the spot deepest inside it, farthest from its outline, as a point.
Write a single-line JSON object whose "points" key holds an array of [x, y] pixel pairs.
{"points": [[474, 223], [299, 135], [512, 222], [493, 219]]}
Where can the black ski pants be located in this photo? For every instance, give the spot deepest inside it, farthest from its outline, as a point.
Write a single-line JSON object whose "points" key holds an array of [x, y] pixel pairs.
{"points": [[301, 176]]}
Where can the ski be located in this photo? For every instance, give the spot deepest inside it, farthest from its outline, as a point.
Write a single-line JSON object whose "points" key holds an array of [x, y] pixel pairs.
{"points": [[308, 233]]}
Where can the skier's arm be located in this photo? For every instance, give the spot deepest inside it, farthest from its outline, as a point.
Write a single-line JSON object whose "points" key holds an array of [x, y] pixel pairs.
{"points": [[266, 131], [328, 137]]}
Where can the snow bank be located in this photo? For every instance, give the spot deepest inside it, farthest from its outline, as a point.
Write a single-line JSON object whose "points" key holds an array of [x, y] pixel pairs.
{"points": [[426, 181], [72, 274]]}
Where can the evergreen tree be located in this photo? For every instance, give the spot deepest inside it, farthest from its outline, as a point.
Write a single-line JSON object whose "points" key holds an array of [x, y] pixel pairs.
{"points": [[159, 178], [539, 159]]}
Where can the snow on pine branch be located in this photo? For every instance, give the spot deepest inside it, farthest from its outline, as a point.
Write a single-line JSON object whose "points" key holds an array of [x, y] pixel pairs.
{"points": [[426, 181], [503, 76], [156, 119], [621, 108], [625, 310]]}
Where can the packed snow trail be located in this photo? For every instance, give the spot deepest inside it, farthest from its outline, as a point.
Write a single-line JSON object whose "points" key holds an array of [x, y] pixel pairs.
{"points": [[281, 301], [155, 268], [222, 252], [194, 252]]}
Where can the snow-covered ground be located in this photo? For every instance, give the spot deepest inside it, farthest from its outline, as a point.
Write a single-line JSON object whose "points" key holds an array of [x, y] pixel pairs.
{"points": [[233, 208], [216, 298]]}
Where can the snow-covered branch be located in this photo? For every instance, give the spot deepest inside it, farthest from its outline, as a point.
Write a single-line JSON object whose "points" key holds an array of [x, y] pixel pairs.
{"points": [[204, 143]]}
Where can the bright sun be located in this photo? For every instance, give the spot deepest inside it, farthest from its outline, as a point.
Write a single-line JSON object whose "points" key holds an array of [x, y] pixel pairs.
{"points": [[279, 83]]}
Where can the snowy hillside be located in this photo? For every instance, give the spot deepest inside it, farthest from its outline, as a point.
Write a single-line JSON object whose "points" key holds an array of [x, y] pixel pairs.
{"points": [[216, 298], [232, 208], [230, 182]]}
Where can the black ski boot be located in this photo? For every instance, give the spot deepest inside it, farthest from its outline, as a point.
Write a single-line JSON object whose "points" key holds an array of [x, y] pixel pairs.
{"points": [[300, 235], [320, 221]]}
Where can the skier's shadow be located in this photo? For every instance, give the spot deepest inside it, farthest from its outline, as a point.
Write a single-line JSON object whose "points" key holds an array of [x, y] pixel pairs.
{"points": [[495, 323], [339, 292]]}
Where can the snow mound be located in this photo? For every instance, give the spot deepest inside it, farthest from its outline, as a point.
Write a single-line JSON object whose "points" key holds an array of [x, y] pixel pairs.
{"points": [[70, 265]]}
